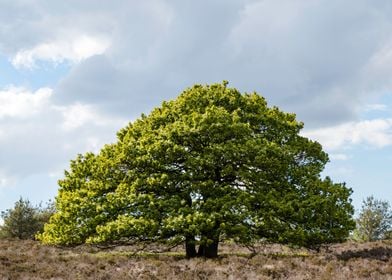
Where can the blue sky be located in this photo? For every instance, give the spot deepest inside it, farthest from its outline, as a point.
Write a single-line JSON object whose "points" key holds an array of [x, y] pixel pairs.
{"points": [[73, 73]]}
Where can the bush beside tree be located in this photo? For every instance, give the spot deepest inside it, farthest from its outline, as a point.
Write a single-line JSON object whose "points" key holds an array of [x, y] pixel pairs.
{"points": [[24, 221], [374, 221]]}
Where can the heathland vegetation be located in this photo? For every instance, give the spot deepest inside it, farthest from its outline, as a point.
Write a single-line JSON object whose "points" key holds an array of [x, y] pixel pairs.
{"points": [[26, 259]]}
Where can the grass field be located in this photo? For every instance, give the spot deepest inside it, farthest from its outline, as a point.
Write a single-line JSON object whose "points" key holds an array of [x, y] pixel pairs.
{"points": [[31, 260]]}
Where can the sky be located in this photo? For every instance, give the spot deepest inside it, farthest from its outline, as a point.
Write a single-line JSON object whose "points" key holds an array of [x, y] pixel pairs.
{"points": [[72, 73]]}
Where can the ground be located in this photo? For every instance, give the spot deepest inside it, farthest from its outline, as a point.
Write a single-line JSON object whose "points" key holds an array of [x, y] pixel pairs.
{"points": [[31, 260]]}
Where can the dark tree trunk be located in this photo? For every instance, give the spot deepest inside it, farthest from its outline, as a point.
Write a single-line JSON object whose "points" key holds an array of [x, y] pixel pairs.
{"points": [[208, 250], [190, 247], [190, 242]]}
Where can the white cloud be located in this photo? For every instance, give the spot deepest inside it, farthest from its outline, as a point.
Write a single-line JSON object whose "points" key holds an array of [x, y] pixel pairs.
{"points": [[377, 72], [375, 107], [134, 54], [375, 133], [18, 102], [77, 115], [383, 57], [38, 136], [5, 179], [93, 144], [74, 50]]}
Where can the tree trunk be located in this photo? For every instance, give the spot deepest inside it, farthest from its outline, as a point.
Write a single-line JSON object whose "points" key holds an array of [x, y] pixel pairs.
{"points": [[208, 250], [190, 247]]}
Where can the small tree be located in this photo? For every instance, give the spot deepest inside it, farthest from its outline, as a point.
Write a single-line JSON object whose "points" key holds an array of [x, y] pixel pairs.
{"points": [[374, 221], [25, 220]]}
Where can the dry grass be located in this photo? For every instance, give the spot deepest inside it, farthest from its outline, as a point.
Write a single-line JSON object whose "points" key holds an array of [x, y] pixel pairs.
{"points": [[31, 260]]}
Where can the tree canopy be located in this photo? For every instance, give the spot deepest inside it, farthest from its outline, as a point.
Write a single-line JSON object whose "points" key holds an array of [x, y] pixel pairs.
{"points": [[211, 165]]}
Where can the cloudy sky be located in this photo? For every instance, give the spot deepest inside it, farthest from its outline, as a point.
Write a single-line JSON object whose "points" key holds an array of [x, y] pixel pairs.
{"points": [[74, 72]]}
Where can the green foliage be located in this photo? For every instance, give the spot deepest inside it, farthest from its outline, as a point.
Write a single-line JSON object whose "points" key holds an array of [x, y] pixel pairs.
{"points": [[212, 164], [24, 220], [374, 221]]}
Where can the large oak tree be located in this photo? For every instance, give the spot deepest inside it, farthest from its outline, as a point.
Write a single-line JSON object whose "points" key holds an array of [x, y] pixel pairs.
{"points": [[211, 165]]}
